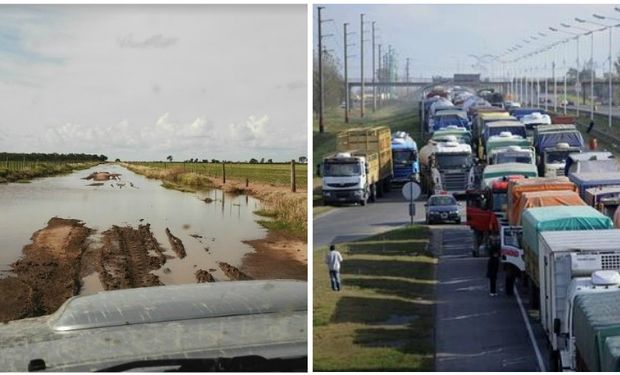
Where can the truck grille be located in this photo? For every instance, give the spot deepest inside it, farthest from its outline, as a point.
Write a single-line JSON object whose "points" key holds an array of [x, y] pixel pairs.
{"points": [[343, 185], [454, 181], [610, 262]]}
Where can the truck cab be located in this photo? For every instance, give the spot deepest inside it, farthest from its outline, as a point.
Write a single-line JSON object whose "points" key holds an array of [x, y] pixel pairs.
{"points": [[405, 158], [345, 178], [553, 144], [451, 168], [512, 154]]}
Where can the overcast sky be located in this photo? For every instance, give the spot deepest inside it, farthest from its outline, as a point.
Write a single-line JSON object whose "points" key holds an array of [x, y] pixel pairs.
{"points": [[144, 82], [439, 38]]}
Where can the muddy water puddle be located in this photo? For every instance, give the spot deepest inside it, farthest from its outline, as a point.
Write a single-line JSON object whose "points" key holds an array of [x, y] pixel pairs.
{"points": [[210, 233]]}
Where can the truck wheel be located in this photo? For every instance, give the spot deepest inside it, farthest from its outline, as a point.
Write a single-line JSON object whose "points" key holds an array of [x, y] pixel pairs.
{"points": [[510, 282], [387, 185], [380, 189], [534, 296], [373, 193], [363, 202], [554, 361]]}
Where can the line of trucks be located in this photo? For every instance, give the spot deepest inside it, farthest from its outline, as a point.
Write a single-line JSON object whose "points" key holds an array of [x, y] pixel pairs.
{"points": [[533, 192], [548, 204]]}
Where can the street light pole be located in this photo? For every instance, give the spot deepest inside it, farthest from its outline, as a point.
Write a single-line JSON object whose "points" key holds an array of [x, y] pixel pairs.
{"points": [[591, 32], [610, 27]]}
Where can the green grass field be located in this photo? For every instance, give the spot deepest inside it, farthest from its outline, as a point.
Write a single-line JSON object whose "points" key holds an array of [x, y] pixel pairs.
{"points": [[276, 174], [383, 319], [24, 171]]}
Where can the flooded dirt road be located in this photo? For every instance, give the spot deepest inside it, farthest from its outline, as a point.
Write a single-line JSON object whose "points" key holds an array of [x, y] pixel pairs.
{"points": [[67, 234]]}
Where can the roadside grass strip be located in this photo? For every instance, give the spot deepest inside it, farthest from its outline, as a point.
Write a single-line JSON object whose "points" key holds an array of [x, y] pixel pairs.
{"points": [[383, 319]]}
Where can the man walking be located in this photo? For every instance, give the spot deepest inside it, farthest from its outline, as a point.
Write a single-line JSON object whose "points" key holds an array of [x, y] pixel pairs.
{"points": [[492, 269], [333, 260]]}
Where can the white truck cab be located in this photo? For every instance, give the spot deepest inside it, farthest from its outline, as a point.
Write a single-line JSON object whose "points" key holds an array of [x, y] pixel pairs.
{"points": [[345, 178]]}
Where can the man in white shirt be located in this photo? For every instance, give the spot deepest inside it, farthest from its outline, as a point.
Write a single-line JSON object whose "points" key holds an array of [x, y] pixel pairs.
{"points": [[333, 260]]}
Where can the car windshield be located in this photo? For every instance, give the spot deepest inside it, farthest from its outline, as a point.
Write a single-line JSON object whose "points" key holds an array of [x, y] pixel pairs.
{"points": [[404, 156], [444, 200], [454, 160], [342, 169]]}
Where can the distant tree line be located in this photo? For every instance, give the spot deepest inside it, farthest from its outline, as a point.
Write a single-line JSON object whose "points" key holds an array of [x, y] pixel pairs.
{"points": [[301, 159], [42, 157]]}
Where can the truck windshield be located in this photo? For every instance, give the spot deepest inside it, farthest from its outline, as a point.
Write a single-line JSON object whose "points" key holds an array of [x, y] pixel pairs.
{"points": [[342, 169], [514, 158], [404, 156], [513, 237], [556, 157], [499, 201], [453, 160]]}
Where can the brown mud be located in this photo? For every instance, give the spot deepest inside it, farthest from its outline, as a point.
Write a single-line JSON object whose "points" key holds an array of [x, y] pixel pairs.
{"points": [[204, 276], [176, 244], [233, 273], [125, 260], [48, 273], [276, 257]]}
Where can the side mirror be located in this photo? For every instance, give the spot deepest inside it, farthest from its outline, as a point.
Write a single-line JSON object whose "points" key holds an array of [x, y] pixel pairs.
{"points": [[318, 170], [557, 324]]}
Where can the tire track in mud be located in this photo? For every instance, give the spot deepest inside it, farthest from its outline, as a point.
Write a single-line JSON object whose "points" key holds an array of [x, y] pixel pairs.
{"points": [[176, 244], [125, 261], [233, 273]]}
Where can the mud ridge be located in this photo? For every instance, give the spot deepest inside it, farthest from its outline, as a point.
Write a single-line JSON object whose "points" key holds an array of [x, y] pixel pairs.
{"points": [[48, 273], [233, 273], [204, 276], [177, 244]]}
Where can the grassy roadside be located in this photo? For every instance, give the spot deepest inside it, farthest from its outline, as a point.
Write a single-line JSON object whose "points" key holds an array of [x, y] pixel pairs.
{"points": [[398, 116], [285, 212], [383, 319], [43, 169]]}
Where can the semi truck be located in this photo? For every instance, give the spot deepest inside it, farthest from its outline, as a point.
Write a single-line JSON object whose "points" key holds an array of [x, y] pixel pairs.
{"points": [[561, 218], [580, 298], [361, 169], [587, 180], [447, 166], [553, 144], [404, 158]]}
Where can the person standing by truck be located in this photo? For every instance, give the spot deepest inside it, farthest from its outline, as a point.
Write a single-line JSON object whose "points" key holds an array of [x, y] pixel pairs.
{"points": [[492, 269], [333, 260]]}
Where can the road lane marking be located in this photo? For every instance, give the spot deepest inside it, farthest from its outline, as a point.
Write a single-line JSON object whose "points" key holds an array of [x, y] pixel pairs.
{"points": [[541, 364]]}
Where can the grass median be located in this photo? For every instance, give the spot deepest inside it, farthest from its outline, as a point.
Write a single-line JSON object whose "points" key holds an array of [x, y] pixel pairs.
{"points": [[383, 319]]}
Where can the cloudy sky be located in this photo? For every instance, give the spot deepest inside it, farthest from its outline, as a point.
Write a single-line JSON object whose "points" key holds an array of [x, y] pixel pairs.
{"points": [[439, 38], [144, 82]]}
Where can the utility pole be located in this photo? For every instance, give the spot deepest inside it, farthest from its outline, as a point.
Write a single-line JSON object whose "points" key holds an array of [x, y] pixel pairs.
{"points": [[321, 94], [555, 88], [407, 77], [362, 63], [380, 70], [374, 88], [346, 77]]}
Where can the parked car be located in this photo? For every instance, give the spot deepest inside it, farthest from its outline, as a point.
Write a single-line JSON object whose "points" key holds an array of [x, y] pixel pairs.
{"points": [[441, 208]]}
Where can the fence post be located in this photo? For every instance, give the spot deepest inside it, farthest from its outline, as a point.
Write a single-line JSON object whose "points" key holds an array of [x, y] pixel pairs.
{"points": [[224, 173], [247, 182], [293, 182]]}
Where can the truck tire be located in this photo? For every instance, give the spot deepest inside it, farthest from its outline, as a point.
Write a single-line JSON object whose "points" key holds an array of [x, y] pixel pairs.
{"points": [[380, 188], [534, 296], [387, 185], [554, 361], [373, 193], [510, 281]]}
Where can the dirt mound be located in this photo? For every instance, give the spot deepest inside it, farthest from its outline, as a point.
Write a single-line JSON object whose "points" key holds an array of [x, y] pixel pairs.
{"points": [[177, 244], [233, 273], [102, 176], [125, 261], [48, 273], [203, 276]]}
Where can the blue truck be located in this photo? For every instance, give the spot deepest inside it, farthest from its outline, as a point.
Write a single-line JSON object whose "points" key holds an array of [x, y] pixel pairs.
{"points": [[405, 158]]}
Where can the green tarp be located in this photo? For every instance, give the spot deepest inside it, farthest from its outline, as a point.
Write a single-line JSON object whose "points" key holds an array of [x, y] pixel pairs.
{"points": [[540, 219], [596, 317]]}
